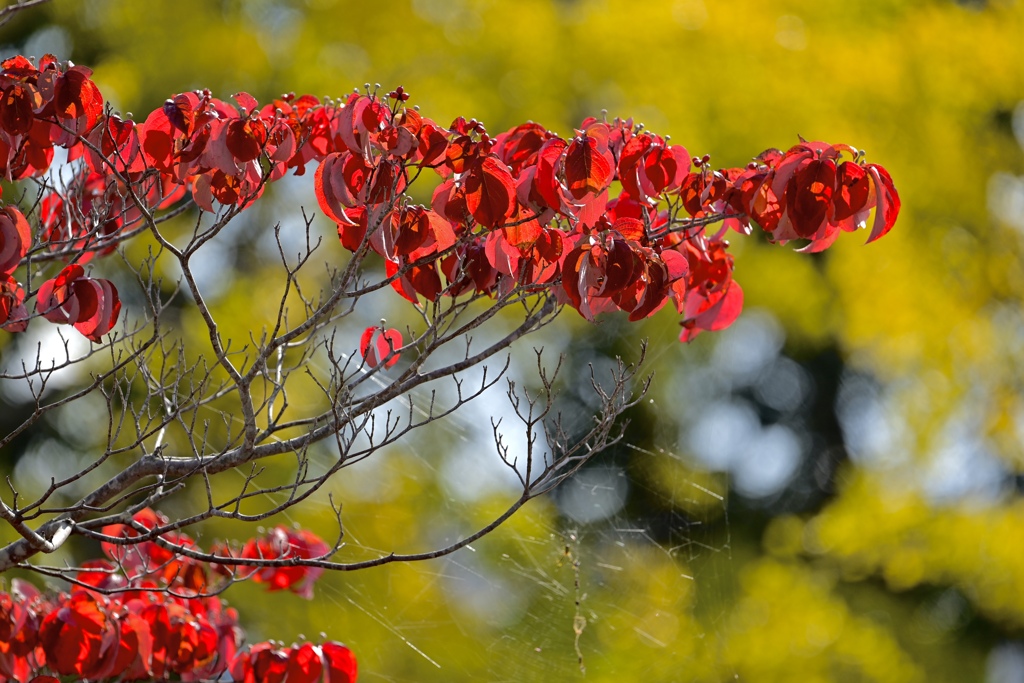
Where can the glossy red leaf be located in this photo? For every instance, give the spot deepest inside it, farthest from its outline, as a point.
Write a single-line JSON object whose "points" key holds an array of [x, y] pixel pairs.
{"points": [[284, 543], [18, 103], [245, 138], [721, 312], [662, 167], [341, 663], [13, 314], [72, 636], [809, 195], [630, 229], [587, 170], [330, 189], [490, 192], [546, 177], [15, 238], [352, 228], [887, 202], [433, 144], [305, 664], [77, 101], [852, 190], [412, 228], [376, 344], [519, 146]]}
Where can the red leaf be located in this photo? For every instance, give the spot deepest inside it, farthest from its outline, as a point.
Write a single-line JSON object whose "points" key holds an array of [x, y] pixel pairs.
{"points": [[853, 189], [329, 186], [17, 108], [545, 178], [433, 144], [341, 663], [15, 238], [887, 202], [99, 306], [809, 195], [77, 101], [661, 167], [13, 315], [246, 101], [587, 171], [490, 192], [376, 344], [412, 227], [630, 229], [524, 233], [352, 228], [72, 636], [245, 138], [519, 147], [717, 316], [305, 664]]}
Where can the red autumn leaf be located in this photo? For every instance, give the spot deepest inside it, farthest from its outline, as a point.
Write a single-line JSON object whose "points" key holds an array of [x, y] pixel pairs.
{"points": [[13, 315], [398, 141], [546, 176], [631, 168], [503, 256], [132, 649], [15, 238], [692, 192], [887, 202], [247, 102], [283, 543], [449, 200], [524, 231], [245, 138], [442, 230], [115, 143], [91, 305], [101, 573], [77, 101], [621, 264], [411, 226], [341, 663], [519, 146], [490, 192], [72, 636], [305, 664], [809, 195], [717, 313], [630, 229], [352, 228], [329, 186], [376, 344], [469, 268], [426, 282], [18, 103], [853, 188], [587, 170], [385, 182], [401, 284], [647, 292], [665, 166], [433, 144], [270, 666]]}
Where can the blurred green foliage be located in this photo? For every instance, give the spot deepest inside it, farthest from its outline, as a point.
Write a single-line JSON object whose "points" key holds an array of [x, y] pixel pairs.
{"points": [[874, 577]]}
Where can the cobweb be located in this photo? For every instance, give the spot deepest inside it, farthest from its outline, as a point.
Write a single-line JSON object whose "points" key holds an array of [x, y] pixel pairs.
{"points": [[633, 553]]}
